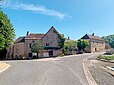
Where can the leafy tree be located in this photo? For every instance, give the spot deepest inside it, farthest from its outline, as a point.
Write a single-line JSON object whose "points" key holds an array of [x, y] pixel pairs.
{"points": [[2, 42], [82, 44], [36, 47], [61, 42], [7, 33], [62, 39], [70, 45], [109, 39]]}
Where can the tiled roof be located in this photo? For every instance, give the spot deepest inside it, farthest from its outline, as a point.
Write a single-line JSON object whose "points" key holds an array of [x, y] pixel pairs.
{"points": [[20, 39], [33, 36], [92, 37], [38, 36]]}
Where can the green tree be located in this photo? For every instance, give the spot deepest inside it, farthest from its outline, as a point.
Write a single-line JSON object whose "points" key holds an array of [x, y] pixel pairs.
{"points": [[36, 47], [2, 42], [70, 45], [61, 41], [82, 44], [109, 39], [7, 33]]}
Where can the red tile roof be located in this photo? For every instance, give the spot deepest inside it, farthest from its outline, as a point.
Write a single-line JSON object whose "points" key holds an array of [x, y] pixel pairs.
{"points": [[20, 39], [33, 36], [38, 36]]}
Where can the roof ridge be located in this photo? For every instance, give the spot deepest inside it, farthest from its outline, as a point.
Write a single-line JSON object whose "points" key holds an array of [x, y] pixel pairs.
{"points": [[52, 27], [37, 33], [93, 37]]}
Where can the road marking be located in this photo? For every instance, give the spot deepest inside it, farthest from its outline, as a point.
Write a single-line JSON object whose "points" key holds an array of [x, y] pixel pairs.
{"points": [[5, 68]]}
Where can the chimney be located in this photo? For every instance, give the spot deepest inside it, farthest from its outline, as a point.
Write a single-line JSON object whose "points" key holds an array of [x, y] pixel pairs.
{"points": [[68, 38], [52, 27], [93, 34], [27, 33]]}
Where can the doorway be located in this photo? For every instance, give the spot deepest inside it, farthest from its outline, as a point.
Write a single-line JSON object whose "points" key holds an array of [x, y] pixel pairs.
{"points": [[50, 53], [95, 49]]}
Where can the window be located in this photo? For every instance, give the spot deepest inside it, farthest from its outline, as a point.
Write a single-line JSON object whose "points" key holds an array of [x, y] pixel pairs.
{"points": [[47, 44], [30, 45], [47, 37]]}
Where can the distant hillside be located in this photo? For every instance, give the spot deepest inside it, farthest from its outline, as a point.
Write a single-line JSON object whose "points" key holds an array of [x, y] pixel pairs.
{"points": [[109, 39]]}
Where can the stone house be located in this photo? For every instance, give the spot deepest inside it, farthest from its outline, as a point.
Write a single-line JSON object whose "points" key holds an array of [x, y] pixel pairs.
{"points": [[22, 45], [96, 44]]}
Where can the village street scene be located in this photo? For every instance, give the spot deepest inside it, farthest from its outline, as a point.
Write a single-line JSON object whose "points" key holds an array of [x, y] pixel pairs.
{"points": [[56, 42]]}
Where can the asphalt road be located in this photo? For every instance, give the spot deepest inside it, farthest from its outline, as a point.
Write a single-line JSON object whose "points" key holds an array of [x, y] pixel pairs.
{"points": [[66, 71]]}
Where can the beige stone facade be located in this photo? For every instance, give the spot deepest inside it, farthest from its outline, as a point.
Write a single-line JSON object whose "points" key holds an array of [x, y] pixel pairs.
{"points": [[22, 46], [50, 39], [19, 51], [96, 44]]}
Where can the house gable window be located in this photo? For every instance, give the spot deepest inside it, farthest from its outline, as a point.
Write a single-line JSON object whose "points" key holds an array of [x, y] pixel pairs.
{"points": [[47, 37]]}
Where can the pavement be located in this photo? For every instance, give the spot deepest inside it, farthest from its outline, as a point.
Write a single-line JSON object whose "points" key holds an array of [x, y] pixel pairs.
{"points": [[54, 71], [101, 72]]}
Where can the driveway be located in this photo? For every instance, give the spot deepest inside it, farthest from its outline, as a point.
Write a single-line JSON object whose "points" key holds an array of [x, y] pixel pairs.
{"points": [[64, 71]]}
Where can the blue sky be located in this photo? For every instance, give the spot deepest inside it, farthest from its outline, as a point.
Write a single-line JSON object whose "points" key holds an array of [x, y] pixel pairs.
{"points": [[72, 18]]}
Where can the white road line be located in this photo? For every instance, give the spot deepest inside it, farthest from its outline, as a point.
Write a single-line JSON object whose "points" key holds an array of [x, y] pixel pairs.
{"points": [[5, 68]]}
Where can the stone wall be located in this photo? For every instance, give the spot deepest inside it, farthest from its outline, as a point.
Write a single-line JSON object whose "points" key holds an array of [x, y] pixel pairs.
{"points": [[27, 46], [19, 51], [50, 38], [95, 46]]}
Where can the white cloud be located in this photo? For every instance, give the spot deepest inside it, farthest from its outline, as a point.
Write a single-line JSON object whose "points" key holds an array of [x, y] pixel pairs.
{"points": [[37, 9], [40, 9], [5, 3]]}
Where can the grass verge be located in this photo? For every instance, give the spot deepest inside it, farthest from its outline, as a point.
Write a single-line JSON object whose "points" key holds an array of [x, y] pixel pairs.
{"points": [[106, 57]]}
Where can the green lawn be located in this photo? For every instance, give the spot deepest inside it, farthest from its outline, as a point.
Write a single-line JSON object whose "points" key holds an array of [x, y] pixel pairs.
{"points": [[106, 57]]}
